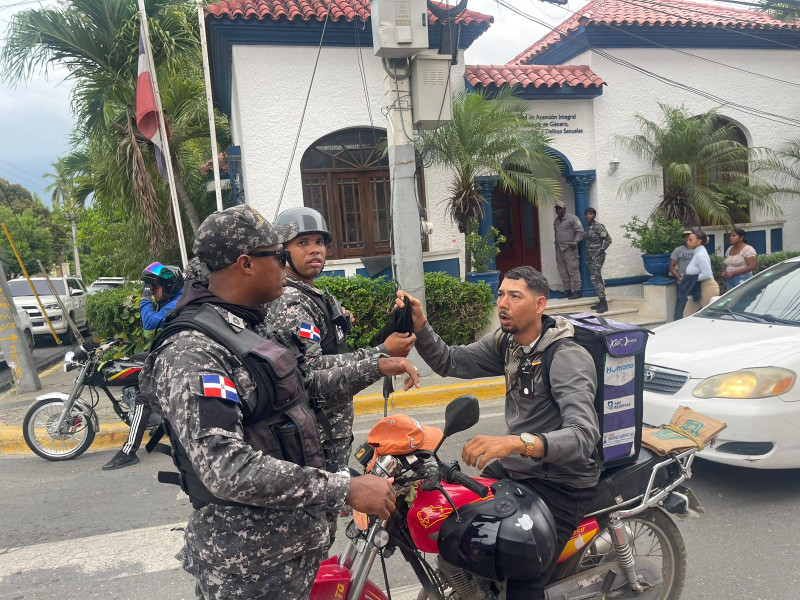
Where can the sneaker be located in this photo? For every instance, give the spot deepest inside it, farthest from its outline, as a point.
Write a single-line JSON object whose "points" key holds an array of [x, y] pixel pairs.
{"points": [[575, 296], [121, 460]]}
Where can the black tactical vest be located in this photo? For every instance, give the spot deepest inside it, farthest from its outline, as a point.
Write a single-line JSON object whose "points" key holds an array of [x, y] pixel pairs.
{"points": [[337, 324], [276, 416]]}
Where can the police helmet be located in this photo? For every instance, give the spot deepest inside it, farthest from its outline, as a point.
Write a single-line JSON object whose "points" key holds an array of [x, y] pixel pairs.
{"points": [[512, 536], [169, 277], [307, 220]]}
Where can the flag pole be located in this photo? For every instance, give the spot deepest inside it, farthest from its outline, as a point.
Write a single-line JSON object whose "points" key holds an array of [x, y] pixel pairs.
{"points": [[212, 126], [163, 132]]}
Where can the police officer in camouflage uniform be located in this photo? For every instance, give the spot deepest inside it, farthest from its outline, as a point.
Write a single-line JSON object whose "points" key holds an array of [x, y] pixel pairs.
{"points": [[242, 434], [597, 241], [318, 319]]}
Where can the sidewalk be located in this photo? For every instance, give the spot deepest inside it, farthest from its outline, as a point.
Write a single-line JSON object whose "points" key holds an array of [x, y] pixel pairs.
{"points": [[434, 391]]}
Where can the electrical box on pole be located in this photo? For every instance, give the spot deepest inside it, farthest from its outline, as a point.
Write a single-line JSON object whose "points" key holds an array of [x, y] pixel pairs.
{"points": [[431, 93], [399, 27]]}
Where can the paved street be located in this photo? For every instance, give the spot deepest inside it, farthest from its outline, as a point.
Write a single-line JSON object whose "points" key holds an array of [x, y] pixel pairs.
{"points": [[73, 531]]}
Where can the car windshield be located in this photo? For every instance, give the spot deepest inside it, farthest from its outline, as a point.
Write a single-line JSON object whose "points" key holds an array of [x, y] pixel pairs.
{"points": [[21, 287], [772, 296], [104, 286]]}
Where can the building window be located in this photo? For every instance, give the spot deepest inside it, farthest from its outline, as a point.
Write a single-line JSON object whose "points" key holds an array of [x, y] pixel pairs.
{"points": [[346, 178]]}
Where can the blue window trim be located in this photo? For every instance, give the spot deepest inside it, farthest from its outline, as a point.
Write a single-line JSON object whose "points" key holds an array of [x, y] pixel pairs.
{"points": [[223, 33], [563, 92], [601, 36]]}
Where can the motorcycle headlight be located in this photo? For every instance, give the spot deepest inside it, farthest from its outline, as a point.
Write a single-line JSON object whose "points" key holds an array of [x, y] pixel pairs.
{"points": [[69, 356], [759, 382]]}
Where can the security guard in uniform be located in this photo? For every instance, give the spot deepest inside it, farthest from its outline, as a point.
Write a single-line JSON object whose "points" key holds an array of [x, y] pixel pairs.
{"points": [[597, 242], [242, 434], [323, 325]]}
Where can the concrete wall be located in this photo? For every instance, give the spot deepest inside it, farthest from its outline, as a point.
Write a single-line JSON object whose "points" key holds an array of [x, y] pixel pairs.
{"points": [[269, 91]]}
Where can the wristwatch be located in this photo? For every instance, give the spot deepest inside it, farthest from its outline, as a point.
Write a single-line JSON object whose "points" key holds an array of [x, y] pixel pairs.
{"points": [[530, 443], [374, 357]]}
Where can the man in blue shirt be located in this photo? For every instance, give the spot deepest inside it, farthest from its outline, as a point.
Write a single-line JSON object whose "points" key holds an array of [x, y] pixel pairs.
{"points": [[164, 284]]}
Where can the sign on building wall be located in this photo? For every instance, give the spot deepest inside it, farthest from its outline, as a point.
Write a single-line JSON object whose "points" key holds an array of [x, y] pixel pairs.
{"points": [[557, 124]]}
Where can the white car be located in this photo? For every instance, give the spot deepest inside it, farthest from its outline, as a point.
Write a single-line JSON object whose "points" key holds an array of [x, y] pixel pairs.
{"points": [[736, 360], [72, 293], [27, 331], [106, 283]]}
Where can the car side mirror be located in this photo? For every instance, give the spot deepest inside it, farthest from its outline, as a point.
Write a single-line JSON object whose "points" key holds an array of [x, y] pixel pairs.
{"points": [[76, 293], [461, 414]]}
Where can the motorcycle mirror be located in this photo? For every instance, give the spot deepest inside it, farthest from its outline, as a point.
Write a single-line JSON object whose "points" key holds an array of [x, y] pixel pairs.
{"points": [[461, 414]]}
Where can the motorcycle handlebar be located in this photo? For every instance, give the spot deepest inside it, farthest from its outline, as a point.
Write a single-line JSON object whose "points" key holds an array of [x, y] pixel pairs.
{"points": [[451, 473]]}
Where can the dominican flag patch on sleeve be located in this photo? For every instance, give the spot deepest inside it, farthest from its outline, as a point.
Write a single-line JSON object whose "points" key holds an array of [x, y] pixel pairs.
{"points": [[309, 332], [217, 386]]}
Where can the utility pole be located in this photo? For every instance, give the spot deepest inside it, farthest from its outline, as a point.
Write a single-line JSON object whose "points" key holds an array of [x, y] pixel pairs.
{"points": [[15, 347]]}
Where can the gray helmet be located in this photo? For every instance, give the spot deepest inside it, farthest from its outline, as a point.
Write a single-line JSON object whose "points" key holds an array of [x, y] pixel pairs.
{"points": [[307, 220]]}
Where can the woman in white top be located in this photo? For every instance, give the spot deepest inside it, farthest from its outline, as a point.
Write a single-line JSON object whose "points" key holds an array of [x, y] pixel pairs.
{"points": [[700, 266], [740, 259]]}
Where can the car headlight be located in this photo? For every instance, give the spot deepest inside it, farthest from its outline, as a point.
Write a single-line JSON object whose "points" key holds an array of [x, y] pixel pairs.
{"points": [[51, 306], [759, 382]]}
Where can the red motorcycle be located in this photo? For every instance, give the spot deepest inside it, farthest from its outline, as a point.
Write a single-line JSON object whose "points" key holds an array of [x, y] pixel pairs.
{"points": [[626, 547]]}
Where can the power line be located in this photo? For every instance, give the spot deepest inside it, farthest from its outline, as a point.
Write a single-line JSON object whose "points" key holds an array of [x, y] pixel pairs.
{"points": [[654, 43], [20, 169], [24, 179], [303, 115], [782, 119]]}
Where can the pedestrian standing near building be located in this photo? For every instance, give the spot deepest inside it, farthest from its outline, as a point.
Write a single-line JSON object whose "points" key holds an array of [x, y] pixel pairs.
{"points": [[319, 320], [597, 241], [235, 407], [569, 233], [164, 285], [701, 267], [678, 261], [740, 259]]}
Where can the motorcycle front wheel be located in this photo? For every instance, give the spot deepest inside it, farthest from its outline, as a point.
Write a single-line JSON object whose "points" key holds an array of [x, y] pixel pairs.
{"points": [[76, 435], [654, 535]]}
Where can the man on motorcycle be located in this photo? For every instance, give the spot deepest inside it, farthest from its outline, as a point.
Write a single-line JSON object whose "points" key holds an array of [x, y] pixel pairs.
{"points": [[551, 419], [321, 323], [235, 407], [164, 284]]}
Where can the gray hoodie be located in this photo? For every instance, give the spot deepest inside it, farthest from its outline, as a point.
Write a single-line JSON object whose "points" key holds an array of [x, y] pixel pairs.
{"points": [[565, 418]]}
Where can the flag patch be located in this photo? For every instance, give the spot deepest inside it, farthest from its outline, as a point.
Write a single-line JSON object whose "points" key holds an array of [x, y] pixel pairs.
{"points": [[217, 386], [309, 332]]}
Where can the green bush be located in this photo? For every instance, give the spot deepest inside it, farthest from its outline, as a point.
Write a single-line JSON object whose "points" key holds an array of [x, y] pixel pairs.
{"points": [[457, 309], [657, 236], [115, 314], [483, 248]]}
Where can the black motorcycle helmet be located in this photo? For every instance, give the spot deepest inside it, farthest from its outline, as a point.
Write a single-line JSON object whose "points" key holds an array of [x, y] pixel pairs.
{"points": [[512, 536], [307, 220], [169, 277]]}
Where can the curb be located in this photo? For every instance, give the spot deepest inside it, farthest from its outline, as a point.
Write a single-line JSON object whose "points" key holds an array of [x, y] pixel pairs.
{"points": [[113, 435]]}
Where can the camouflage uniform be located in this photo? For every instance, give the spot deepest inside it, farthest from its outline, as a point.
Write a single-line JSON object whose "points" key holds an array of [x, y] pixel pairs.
{"points": [[287, 314], [272, 547], [597, 240]]}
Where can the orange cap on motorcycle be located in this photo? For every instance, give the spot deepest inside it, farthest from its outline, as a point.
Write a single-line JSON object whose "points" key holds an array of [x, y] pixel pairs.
{"points": [[401, 434]]}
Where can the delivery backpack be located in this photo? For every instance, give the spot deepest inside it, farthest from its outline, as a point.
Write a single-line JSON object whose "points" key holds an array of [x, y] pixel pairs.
{"points": [[618, 352]]}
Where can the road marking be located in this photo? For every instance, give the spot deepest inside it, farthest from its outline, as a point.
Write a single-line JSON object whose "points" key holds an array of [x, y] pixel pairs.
{"points": [[124, 553], [56, 367]]}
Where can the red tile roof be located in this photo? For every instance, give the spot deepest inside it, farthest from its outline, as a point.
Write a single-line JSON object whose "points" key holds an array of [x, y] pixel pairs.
{"points": [[314, 9], [535, 75], [646, 13]]}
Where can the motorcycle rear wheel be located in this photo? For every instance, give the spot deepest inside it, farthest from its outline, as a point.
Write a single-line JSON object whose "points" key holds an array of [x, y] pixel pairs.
{"points": [[654, 535], [75, 438]]}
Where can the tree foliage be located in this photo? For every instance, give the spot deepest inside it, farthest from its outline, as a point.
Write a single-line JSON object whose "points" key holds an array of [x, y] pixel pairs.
{"points": [[687, 155]]}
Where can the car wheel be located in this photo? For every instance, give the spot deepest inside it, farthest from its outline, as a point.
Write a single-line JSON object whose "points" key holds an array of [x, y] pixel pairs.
{"points": [[68, 337], [30, 339]]}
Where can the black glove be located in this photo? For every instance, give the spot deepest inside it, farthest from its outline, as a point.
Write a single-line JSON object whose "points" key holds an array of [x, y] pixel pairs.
{"points": [[147, 293]]}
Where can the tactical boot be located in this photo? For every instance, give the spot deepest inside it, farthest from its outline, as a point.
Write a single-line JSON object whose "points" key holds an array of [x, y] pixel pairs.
{"points": [[566, 294], [575, 296], [121, 460], [601, 306]]}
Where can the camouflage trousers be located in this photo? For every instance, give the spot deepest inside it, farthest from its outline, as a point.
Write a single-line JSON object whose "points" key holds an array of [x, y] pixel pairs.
{"points": [[594, 261], [337, 452], [290, 579]]}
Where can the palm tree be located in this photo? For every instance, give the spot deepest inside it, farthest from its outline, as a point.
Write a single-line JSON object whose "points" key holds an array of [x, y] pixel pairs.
{"points": [[785, 10], [783, 167], [697, 166], [490, 136], [97, 40]]}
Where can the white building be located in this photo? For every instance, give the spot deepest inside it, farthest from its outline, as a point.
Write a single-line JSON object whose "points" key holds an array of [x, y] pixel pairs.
{"points": [[263, 53]]}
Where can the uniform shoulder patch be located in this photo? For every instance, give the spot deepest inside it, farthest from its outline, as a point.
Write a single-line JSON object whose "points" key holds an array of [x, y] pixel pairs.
{"points": [[309, 331], [217, 386]]}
